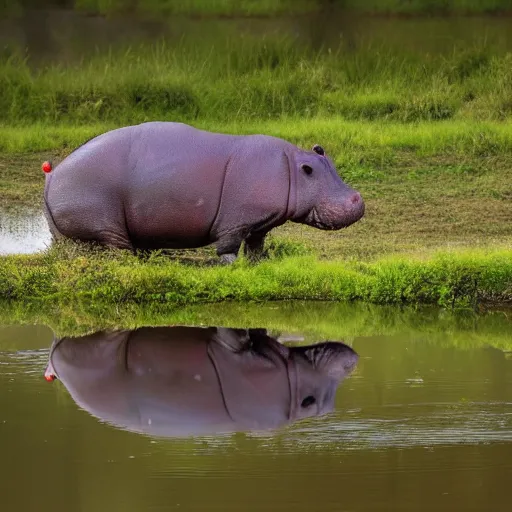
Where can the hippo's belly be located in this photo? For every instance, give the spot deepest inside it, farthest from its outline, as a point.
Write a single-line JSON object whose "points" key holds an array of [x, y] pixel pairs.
{"points": [[173, 193], [166, 220]]}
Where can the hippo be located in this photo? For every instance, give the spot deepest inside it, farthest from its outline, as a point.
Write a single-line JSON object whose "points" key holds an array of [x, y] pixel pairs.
{"points": [[165, 185], [183, 381]]}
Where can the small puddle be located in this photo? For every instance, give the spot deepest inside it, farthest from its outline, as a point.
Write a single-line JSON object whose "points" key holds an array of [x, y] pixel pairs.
{"points": [[23, 233]]}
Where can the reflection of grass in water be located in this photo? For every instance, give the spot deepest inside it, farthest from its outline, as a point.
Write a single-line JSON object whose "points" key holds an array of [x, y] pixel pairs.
{"points": [[250, 80], [316, 321]]}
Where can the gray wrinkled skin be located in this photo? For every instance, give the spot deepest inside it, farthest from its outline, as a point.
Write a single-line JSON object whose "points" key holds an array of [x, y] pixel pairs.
{"points": [[183, 381], [168, 185]]}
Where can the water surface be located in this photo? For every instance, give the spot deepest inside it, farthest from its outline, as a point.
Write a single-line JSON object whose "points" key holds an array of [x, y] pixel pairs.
{"points": [[23, 232], [419, 425]]}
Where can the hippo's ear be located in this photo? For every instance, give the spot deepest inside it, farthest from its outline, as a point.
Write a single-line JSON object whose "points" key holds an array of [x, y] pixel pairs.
{"points": [[319, 150], [334, 359]]}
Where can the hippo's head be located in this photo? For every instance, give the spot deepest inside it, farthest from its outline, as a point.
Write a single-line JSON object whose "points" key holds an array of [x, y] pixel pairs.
{"points": [[320, 370], [321, 199]]}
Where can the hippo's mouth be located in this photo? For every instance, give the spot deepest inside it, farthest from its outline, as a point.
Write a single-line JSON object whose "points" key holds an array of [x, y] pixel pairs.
{"points": [[329, 224]]}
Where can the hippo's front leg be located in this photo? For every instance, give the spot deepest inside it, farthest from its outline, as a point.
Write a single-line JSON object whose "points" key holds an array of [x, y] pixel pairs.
{"points": [[228, 259], [254, 244], [228, 246]]}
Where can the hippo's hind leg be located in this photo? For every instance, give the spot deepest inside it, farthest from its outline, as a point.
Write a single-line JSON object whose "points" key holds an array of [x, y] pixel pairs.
{"points": [[56, 234], [234, 340], [240, 340], [115, 240], [99, 220]]}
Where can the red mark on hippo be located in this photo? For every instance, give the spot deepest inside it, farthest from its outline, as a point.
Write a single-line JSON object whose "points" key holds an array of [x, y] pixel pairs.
{"points": [[49, 374], [47, 167]]}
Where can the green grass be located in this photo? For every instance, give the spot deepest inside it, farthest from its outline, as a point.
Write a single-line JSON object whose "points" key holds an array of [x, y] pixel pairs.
{"points": [[426, 139], [450, 279], [347, 141], [251, 80]]}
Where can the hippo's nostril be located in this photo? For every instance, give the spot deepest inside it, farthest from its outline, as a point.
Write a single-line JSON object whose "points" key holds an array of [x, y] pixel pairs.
{"points": [[356, 198]]}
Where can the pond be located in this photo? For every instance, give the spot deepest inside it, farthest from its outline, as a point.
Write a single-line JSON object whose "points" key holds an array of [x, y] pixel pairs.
{"points": [[23, 232], [194, 418]]}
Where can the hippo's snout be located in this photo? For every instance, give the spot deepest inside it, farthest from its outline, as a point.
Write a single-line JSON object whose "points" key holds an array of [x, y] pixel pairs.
{"points": [[337, 215], [356, 198], [356, 209]]}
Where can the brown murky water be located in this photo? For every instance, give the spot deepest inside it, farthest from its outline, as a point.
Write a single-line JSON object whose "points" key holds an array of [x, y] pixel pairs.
{"points": [[419, 425]]}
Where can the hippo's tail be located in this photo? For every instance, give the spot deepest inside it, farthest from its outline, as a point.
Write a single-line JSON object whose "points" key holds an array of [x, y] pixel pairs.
{"points": [[47, 167], [50, 374]]}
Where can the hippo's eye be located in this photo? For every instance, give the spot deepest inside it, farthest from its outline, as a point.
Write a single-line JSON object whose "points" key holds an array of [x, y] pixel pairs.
{"points": [[306, 168], [309, 400]]}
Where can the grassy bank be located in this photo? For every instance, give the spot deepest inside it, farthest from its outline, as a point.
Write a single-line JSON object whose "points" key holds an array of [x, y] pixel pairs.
{"points": [[456, 279], [251, 80]]}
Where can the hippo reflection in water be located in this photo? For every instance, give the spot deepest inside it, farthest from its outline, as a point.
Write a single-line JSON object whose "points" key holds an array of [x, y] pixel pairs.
{"points": [[183, 381]]}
